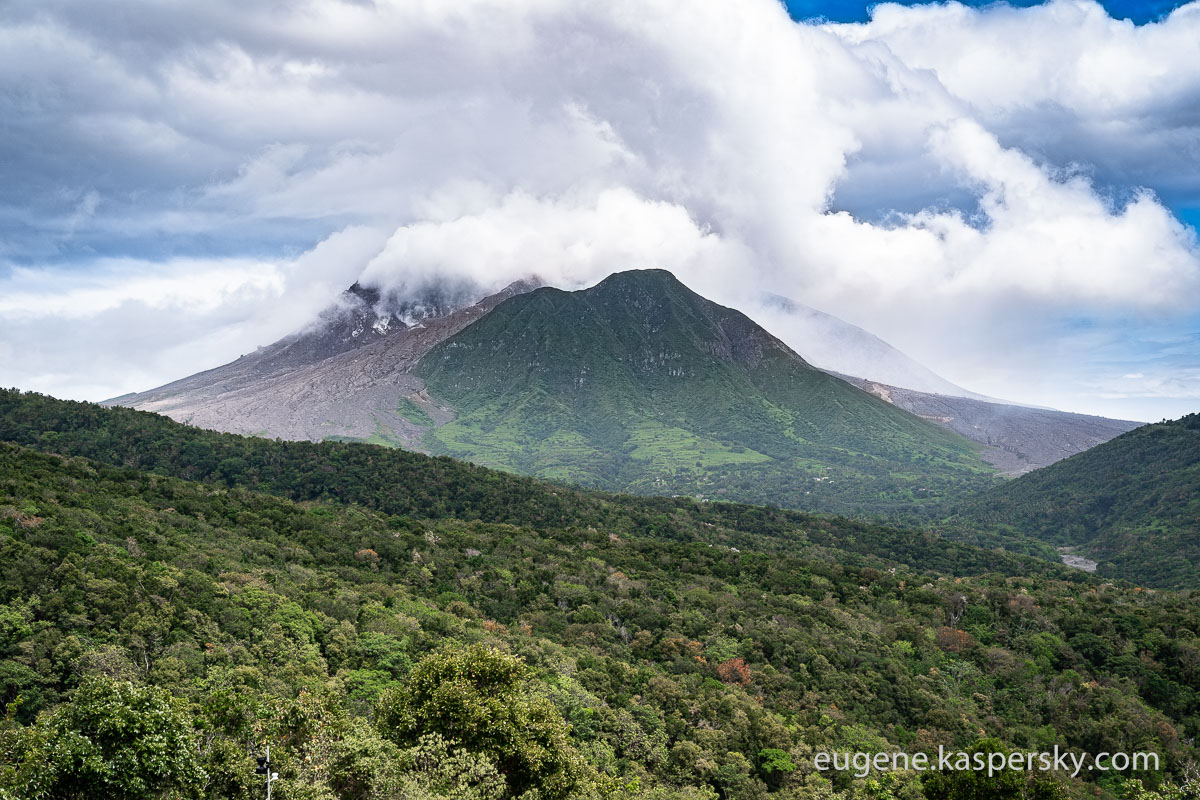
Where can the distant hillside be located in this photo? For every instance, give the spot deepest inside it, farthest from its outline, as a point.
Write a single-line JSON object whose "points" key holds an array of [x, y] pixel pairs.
{"points": [[1132, 504], [412, 485], [836, 346], [1016, 439], [639, 384]]}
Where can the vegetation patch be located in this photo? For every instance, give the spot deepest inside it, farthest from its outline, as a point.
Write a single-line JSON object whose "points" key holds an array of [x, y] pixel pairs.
{"points": [[414, 413]]}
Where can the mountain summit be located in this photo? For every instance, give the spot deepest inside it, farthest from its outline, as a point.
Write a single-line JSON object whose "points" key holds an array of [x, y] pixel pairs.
{"points": [[343, 377], [640, 384]]}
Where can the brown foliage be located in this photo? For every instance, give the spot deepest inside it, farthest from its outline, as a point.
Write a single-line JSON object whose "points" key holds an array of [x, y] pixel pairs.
{"points": [[369, 556], [953, 640], [735, 670]]}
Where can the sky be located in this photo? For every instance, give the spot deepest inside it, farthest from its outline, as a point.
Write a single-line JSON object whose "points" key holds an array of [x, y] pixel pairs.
{"points": [[1008, 194], [1136, 11]]}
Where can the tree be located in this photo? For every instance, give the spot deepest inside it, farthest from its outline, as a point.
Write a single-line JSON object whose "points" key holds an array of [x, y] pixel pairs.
{"points": [[1188, 790], [478, 700], [113, 741], [735, 670], [970, 784]]}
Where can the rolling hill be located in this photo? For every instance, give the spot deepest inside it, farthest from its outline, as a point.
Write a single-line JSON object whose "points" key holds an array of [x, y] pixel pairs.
{"points": [[1131, 504]]}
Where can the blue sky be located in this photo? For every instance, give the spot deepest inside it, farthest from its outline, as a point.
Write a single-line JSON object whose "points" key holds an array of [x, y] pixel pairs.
{"points": [[849, 11], [1007, 194]]}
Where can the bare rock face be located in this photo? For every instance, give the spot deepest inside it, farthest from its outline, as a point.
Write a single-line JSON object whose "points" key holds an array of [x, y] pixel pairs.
{"points": [[1016, 439], [358, 318], [345, 376]]}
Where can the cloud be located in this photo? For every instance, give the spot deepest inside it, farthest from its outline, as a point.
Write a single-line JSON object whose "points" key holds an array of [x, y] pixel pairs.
{"points": [[1036, 237], [568, 243], [1064, 82], [126, 325], [1068, 53], [959, 181]]}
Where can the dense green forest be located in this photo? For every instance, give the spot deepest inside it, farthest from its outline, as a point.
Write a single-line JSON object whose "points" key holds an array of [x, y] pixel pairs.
{"points": [[1132, 504], [640, 385], [402, 483], [472, 634]]}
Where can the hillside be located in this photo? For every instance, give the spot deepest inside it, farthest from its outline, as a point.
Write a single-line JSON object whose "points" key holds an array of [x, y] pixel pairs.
{"points": [[639, 384], [1132, 504], [670, 662], [1015, 439], [413, 485]]}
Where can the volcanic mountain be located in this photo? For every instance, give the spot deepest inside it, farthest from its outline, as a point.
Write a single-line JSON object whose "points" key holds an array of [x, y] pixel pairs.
{"points": [[639, 384], [346, 376], [636, 384], [836, 346]]}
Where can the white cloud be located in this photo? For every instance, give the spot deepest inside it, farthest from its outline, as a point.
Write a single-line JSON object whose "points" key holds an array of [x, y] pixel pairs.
{"points": [[569, 243], [185, 287], [129, 325], [1067, 53], [1063, 81], [493, 139]]}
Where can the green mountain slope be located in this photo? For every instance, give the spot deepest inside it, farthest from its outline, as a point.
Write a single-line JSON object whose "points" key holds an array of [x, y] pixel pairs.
{"points": [[639, 384], [669, 663], [1132, 504]]}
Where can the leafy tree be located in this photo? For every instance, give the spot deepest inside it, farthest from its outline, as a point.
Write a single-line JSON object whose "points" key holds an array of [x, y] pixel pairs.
{"points": [[1188, 790], [113, 741], [775, 764], [973, 784], [263, 614], [478, 699]]}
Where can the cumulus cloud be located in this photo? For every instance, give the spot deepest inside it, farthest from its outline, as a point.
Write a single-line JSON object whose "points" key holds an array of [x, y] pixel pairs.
{"points": [[1064, 82], [959, 181], [1068, 53], [567, 243]]}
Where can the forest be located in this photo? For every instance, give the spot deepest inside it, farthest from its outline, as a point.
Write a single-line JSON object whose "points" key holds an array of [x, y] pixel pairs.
{"points": [[1131, 503], [173, 601]]}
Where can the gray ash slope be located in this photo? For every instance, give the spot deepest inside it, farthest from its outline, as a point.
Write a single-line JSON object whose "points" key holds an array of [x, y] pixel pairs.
{"points": [[1016, 439], [344, 377], [355, 320]]}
